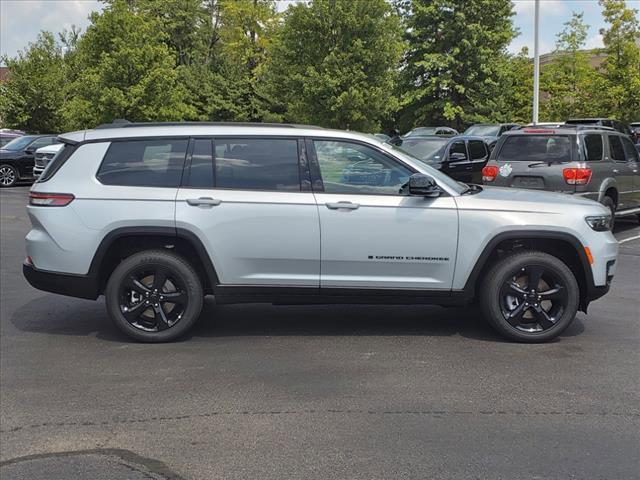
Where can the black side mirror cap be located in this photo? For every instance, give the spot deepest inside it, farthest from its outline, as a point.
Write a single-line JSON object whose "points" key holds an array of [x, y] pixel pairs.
{"points": [[422, 185]]}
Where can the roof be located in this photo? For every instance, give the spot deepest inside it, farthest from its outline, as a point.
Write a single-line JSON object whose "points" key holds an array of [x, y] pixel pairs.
{"points": [[561, 130]]}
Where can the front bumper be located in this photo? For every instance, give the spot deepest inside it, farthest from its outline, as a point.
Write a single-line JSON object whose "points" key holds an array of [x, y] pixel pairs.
{"points": [[81, 286]]}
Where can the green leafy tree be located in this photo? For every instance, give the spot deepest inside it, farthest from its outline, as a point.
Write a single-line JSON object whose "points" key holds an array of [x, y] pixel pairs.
{"points": [[514, 103], [334, 64], [33, 96], [568, 82], [128, 71], [621, 68], [451, 71]]}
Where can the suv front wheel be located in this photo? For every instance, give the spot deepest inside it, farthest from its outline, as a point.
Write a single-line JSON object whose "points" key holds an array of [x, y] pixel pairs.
{"points": [[154, 296], [530, 296]]}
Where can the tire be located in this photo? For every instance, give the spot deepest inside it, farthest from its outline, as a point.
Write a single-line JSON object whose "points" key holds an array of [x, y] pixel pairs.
{"points": [[8, 175], [519, 314], [611, 205], [139, 293]]}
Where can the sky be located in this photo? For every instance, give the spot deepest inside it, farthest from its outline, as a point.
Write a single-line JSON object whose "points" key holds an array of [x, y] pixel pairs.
{"points": [[21, 20]]}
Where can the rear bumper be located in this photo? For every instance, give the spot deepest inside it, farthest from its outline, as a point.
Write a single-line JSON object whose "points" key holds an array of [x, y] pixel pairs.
{"points": [[81, 286]]}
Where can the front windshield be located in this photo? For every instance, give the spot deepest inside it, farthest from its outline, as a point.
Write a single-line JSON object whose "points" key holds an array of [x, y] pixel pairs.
{"points": [[423, 148], [19, 143], [483, 130], [438, 176]]}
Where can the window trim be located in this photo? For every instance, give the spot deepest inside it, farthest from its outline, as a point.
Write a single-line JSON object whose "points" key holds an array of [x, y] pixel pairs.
{"points": [[316, 176]]}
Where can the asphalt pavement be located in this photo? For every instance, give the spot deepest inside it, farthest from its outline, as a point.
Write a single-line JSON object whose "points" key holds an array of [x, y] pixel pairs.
{"points": [[318, 392]]}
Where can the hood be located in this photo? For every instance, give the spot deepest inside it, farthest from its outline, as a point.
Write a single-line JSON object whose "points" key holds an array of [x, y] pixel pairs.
{"points": [[514, 199]]}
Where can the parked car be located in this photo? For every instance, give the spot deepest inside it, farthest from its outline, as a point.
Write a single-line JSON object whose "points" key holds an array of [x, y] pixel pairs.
{"points": [[593, 162], [43, 156], [490, 132], [163, 214], [17, 158], [461, 157], [604, 122], [635, 128], [6, 135], [423, 131]]}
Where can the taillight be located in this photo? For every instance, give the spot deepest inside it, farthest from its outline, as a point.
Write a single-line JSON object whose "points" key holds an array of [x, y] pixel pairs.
{"points": [[489, 173], [577, 176], [50, 199]]}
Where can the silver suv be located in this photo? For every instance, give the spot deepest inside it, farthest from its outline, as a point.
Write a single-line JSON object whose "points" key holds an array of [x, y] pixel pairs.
{"points": [[155, 216], [593, 162]]}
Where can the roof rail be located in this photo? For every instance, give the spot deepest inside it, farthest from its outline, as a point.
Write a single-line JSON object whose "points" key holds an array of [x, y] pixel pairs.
{"points": [[121, 123]]}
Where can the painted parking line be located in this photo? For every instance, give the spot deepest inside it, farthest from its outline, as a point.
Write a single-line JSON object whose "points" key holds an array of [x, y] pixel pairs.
{"points": [[625, 240]]}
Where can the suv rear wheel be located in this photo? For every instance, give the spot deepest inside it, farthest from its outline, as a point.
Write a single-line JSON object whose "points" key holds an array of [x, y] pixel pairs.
{"points": [[530, 297], [154, 296]]}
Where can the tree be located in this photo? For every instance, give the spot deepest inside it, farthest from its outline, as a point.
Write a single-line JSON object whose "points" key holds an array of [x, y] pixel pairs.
{"points": [[514, 103], [128, 71], [621, 68], [33, 96], [451, 69], [569, 80], [334, 64]]}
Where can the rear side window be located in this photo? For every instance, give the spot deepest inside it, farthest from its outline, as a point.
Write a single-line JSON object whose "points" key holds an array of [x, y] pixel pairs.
{"points": [[201, 170], [257, 164], [143, 163], [593, 147], [617, 150], [536, 148], [630, 150], [477, 150]]}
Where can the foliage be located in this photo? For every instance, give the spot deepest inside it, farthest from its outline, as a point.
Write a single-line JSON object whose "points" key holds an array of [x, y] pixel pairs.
{"points": [[450, 69], [33, 96], [333, 64], [514, 104]]}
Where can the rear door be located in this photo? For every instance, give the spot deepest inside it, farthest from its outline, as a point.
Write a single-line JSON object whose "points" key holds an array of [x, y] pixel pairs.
{"points": [[251, 206], [622, 171]]}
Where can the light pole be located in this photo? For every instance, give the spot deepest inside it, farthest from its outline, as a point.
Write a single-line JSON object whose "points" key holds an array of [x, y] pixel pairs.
{"points": [[536, 64]]}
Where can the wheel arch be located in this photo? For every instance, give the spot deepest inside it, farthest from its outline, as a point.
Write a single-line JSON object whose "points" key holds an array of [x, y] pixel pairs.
{"points": [[123, 242], [609, 187], [559, 244]]}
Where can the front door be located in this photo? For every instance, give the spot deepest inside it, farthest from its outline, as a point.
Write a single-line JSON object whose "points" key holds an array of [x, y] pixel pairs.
{"points": [[622, 171], [372, 236], [633, 159], [248, 208]]}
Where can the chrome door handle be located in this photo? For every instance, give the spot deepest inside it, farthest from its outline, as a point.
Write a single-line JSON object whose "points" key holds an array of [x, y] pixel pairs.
{"points": [[616, 170], [195, 202], [342, 205]]}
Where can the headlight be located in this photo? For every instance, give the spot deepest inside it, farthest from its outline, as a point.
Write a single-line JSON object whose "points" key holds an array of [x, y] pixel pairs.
{"points": [[599, 223]]}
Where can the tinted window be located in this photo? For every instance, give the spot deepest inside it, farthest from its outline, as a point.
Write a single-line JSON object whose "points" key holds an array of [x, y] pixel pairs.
{"points": [[617, 150], [458, 147], [42, 142], [630, 150], [593, 147], [536, 148], [257, 164], [423, 147], [477, 150], [201, 171], [144, 163], [353, 168]]}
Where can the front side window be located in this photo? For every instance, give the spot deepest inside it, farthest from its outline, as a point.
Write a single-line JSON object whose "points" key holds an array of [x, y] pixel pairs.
{"points": [[143, 163], [617, 150], [458, 147], [257, 164], [630, 150], [42, 142], [352, 168], [477, 150], [593, 147]]}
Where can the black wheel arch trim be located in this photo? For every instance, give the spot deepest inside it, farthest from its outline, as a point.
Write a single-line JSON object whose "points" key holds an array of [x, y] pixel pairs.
{"points": [[591, 292]]}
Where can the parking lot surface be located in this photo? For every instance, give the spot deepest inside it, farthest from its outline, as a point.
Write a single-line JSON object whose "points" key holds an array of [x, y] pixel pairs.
{"points": [[318, 392]]}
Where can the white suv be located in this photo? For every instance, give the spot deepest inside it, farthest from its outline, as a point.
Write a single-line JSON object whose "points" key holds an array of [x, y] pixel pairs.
{"points": [[155, 216]]}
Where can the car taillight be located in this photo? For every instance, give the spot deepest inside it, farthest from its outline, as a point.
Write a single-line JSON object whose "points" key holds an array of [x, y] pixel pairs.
{"points": [[489, 173], [50, 199], [577, 176]]}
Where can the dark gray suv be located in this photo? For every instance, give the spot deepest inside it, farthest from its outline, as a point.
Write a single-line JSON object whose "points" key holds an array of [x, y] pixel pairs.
{"points": [[595, 162]]}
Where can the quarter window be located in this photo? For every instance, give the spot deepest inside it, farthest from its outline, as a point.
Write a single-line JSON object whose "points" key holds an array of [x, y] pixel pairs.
{"points": [[257, 164], [617, 150], [143, 163], [593, 147], [352, 168]]}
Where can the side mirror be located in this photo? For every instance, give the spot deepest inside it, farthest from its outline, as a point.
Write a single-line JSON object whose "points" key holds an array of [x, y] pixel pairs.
{"points": [[457, 157], [29, 150], [422, 185]]}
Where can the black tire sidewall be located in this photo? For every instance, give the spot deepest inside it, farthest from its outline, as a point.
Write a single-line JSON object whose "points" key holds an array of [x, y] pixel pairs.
{"points": [[497, 275], [178, 266]]}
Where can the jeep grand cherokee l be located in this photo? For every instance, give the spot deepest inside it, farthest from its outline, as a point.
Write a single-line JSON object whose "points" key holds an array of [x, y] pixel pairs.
{"points": [[155, 216]]}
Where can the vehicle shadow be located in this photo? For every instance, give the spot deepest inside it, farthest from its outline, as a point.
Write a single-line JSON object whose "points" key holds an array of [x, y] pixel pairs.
{"points": [[55, 315]]}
